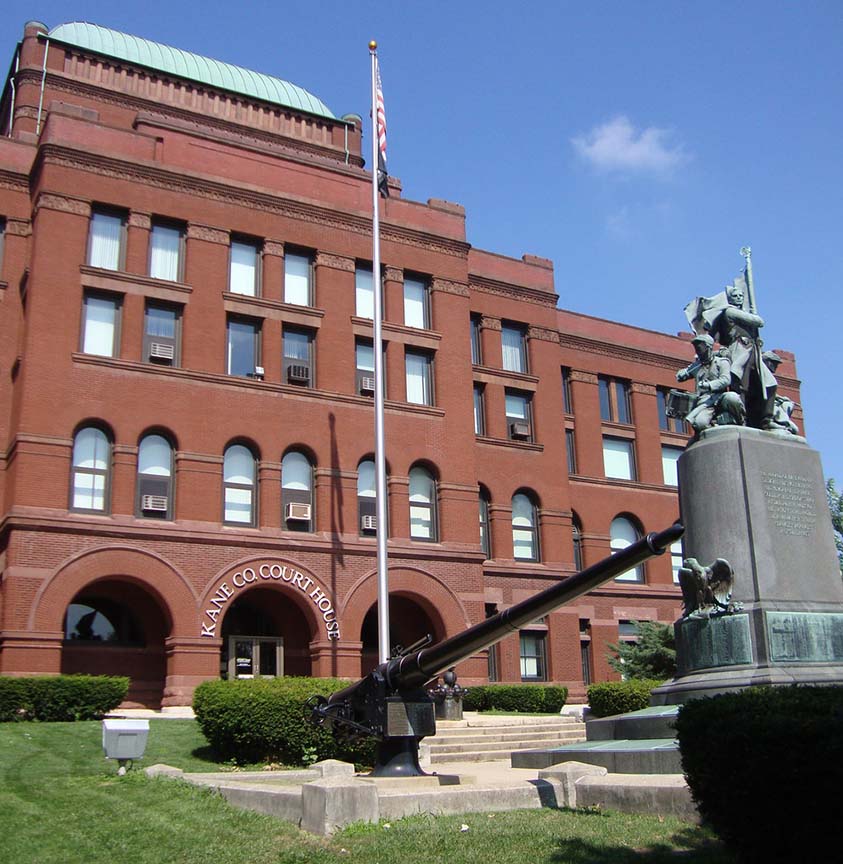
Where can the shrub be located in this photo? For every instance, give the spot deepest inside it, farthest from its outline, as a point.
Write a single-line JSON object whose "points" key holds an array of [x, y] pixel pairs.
{"points": [[522, 698], [619, 697], [651, 656], [51, 698], [765, 767], [265, 719]]}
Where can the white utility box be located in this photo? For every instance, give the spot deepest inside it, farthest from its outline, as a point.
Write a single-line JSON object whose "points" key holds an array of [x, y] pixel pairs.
{"points": [[124, 739]]}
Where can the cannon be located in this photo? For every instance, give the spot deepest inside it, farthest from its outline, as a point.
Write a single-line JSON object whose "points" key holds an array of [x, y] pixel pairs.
{"points": [[391, 704]]}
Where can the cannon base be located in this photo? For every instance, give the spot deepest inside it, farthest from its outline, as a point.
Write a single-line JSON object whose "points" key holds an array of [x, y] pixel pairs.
{"points": [[397, 757]]}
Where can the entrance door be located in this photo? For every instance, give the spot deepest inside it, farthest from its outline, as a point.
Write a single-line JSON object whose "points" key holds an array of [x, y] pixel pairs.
{"points": [[255, 657]]}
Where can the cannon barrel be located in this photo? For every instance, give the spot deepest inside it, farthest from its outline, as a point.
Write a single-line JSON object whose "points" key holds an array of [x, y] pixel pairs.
{"points": [[411, 671]]}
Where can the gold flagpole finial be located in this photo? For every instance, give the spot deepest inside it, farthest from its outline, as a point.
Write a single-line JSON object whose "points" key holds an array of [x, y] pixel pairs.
{"points": [[373, 46]]}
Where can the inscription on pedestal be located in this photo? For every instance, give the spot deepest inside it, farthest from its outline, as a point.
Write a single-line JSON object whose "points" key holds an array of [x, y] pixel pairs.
{"points": [[790, 502], [708, 643], [805, 637]]}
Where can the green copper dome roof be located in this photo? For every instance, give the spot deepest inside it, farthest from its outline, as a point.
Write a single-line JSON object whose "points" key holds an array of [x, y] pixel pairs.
{"points": [[183, 64]]}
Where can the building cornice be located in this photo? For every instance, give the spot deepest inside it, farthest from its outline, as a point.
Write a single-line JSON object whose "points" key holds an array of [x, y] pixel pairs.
{"points": [[199, 185], [485, 285], [183, 119]]}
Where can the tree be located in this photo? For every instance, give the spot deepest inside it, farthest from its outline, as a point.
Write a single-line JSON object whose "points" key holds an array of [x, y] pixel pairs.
{"points": [[835, 506], [652, 655]]}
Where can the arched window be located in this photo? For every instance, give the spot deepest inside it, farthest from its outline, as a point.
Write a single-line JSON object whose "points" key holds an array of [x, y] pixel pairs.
{"points": [[485, 537], [239, 485], [155, 478], [91, 470], [623, 533], [525, 536], [576, 531], [297, 492], [102, 621], [366, 498], [423, 522]]}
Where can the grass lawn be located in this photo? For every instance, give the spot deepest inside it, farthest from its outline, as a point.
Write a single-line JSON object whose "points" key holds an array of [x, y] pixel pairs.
{"points": [[61, 802]]}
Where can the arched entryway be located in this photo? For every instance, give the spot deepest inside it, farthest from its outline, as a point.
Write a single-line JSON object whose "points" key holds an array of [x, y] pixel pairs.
{"points": [[409, 621], [265, 633], [115, 627]]}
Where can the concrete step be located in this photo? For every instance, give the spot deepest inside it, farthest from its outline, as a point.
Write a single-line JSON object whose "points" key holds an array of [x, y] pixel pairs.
{"points": [[502, 742], [537, 734], [493, 738]]}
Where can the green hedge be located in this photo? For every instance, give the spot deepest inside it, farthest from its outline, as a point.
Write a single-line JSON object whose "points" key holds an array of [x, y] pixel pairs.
{"points": [[265, 720], [52, 698], [522, 698], [618, 697], [765, 767]]}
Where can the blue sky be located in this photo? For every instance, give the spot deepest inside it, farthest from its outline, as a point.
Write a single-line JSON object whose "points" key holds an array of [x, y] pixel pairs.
{"points": [[637, 144]]}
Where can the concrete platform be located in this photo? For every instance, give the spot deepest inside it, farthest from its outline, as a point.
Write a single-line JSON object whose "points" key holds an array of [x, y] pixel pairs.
{"points": [[641, 756], [329, 796]]}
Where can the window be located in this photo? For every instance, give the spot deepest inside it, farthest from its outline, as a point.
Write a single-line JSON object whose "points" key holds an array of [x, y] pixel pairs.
{"points": [[166, 251], [514, 347], [518, 416], [239, 480], [91, 470], [479, 412], [367, 511], [567, 398], [244, 348], [161, 334], [485, 536], [525, 535], [416, 303], [533, 656], [422, 505], [155, 478], [476, 353], [667, 424], [101, 325], [619, 458], [298, 357], [297, 492], [670, 465], [243, 268], [95, 619], [106, 240], [623, 533], [364, 292], [298, 273], [614, 400], [576, 532], [570, 451], [676, 560], [419, 369], [365, 363], [585, 661]]}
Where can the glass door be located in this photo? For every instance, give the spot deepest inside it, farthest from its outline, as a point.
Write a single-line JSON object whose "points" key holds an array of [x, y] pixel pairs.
{"points": [[255, 657]]}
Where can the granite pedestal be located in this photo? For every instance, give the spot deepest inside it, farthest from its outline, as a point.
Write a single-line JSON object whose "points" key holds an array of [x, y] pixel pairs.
{"points": [[758, 499]]}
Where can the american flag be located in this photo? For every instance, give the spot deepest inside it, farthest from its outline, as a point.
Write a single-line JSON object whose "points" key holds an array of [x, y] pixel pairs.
{"points": [[382, 175]]}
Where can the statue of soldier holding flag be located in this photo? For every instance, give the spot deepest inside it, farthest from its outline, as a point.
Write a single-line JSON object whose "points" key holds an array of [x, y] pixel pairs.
{"points": [[731, 319]]}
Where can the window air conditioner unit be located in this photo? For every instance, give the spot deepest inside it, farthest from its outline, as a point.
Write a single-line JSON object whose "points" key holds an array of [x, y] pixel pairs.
{"points": [[161, 351], [297, 512], [298, 374], [367, 385], [520, 431], [369, 523], [154, 503], [258, 373]]}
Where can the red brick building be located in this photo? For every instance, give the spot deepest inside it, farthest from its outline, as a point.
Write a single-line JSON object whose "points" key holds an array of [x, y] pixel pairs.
{"points": [[186, 412]]}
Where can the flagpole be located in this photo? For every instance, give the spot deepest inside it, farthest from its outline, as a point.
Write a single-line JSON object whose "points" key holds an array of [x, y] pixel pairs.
{"points": [[380, 459]]}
